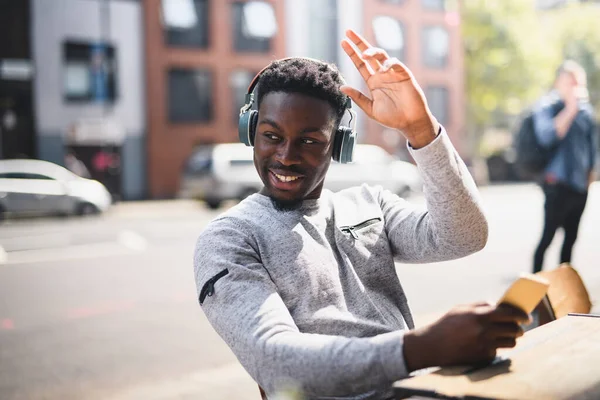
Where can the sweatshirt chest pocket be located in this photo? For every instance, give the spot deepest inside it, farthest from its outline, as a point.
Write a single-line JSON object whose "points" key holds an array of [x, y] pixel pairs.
{"points": [[366, 232], [365, 245]]}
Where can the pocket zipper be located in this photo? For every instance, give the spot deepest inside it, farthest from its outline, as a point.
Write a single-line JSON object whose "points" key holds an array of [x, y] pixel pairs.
{"points": [[352, 228], [209, 287]]}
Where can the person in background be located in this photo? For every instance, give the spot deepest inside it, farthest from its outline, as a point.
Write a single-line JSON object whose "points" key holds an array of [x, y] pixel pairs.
{"points": [[564, 120], [300, 282]]}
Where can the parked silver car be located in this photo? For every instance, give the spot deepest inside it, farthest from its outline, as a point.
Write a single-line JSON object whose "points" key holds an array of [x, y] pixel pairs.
{"points": [[35, 187], [226, 171]]}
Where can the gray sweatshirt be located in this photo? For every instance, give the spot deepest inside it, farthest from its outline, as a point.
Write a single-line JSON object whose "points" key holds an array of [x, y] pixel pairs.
{"points": [[311, 297]]}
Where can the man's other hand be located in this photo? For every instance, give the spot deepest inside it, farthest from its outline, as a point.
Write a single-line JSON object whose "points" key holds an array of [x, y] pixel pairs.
{"points": [[468, 334]]}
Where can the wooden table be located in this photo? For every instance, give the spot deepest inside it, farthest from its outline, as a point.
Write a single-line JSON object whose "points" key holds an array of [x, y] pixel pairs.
{"points": [[559, 360]]}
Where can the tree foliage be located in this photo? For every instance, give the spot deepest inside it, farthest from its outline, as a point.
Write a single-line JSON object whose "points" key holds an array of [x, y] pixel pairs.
{"points": [[512, 51]]}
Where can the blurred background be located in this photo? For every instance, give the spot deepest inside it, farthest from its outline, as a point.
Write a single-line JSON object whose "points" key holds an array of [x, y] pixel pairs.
{"points": [[127, 110]]}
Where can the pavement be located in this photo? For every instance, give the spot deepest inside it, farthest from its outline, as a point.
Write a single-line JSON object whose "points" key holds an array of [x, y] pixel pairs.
{"points": [[105, 307]]}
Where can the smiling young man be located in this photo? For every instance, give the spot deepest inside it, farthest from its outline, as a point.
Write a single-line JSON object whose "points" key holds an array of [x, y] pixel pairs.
{"points": [[293, 168], [300, 282]]}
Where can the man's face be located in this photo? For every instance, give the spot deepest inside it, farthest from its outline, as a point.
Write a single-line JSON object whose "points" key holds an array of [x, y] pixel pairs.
{"points": [[292, 146], [566, 84]]}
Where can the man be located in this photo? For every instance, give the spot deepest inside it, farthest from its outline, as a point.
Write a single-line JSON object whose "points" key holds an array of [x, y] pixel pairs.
{"points": [[564, 121], [300, 282]]}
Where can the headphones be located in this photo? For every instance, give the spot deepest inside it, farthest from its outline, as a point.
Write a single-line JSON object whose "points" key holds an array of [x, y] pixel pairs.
{"points": [[345, 136]]}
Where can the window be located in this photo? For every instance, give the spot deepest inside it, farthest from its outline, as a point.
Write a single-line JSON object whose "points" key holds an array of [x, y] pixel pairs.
{"points": [[437, 99], [389, 35], [89, 72], [253, 25], [436, 43], [434, 4], [239, 81], [185, 23], [190, 95], [323, 32]]}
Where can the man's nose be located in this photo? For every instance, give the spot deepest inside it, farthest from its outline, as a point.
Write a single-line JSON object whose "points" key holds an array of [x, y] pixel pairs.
{"points": [[287, 153]]}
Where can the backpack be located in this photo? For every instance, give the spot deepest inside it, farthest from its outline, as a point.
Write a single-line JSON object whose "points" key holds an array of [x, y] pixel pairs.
{"points": [[531, 157]]}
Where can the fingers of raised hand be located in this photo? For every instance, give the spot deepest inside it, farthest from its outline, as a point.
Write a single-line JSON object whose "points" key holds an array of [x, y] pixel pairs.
{"points": [[395, 65], [364, 102], [358, 40], [359, 63], [368, 59], [375, 57]]}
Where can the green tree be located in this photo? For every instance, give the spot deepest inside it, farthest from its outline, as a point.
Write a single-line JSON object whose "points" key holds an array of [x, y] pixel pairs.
{"points": [[576, 30], [511, 52]]}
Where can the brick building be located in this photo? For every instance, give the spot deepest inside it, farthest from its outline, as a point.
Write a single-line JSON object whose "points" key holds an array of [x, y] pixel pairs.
{"points": [[201, 55], [200, 58]]}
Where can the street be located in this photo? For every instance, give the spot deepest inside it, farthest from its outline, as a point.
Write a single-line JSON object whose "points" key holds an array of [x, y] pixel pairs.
{"points": [[105, 307]]}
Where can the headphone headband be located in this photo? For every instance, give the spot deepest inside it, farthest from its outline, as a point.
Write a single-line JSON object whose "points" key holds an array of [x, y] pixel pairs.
{"points": [[249, 99]]}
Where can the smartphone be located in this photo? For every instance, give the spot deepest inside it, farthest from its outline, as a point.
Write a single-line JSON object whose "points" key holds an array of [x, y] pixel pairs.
{"points": [[526, 292]]}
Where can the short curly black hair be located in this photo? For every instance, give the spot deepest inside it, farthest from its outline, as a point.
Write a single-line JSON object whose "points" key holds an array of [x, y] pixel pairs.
{"points": [[307, 76]]}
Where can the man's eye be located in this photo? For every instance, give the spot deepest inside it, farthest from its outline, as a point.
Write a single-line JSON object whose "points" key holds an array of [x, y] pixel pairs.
{"points": [[271, 136], [309, 141]]}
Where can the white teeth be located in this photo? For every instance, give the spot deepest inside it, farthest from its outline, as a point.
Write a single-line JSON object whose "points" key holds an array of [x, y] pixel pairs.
{"points": [[284, 178]]}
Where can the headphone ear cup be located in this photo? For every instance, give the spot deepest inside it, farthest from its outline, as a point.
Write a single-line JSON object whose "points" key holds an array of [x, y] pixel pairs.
{"points": [[337, 144], [247, 127], [343, 145], [252, 126]]}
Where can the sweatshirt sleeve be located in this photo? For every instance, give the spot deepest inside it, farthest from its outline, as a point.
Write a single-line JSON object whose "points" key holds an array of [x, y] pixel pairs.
{"points": [[243, 306], [453, 225]]}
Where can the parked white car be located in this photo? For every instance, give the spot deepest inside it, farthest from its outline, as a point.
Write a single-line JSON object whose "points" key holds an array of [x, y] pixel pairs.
{"points": [[226, 171], [35, 187]]}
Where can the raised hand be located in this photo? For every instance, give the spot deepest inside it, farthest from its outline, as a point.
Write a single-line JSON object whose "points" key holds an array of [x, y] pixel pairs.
{"points": [[396, 100]]}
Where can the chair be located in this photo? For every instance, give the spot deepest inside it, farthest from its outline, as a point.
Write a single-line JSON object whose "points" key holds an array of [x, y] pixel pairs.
{"points": [[566, 294]]}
